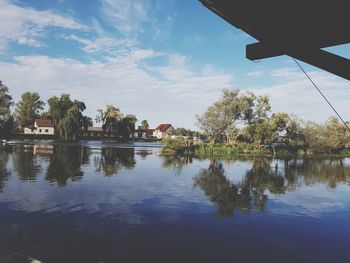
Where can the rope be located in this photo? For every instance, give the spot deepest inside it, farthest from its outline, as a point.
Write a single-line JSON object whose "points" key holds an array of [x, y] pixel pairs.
{"points": [[313, 83]]}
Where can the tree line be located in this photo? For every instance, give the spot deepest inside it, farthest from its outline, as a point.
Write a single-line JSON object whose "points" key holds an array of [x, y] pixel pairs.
{"points": [[66, 114], [238, 117]]}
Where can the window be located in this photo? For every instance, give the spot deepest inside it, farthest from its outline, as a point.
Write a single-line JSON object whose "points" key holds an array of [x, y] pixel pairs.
{"points": [[39, 130], [46, 130]]}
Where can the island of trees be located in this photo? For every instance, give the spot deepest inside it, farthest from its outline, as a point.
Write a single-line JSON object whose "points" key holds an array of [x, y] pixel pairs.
{"points": [[242, 123]]}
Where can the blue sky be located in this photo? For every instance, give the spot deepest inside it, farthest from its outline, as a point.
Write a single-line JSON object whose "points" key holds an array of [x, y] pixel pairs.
{"points": [[163, 60]]}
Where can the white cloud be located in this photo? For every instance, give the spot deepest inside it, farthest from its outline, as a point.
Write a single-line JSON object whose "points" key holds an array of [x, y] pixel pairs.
{"points": [[26, 25], [172, 93], [293, 93], [125, 15]]}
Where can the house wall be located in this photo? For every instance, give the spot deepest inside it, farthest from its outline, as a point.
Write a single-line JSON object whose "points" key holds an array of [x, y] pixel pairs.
{"points": [[45, 130], [28, 131]]}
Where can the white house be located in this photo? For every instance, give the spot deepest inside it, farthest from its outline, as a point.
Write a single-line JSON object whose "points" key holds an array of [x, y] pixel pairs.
{"points": [[163, 129], [41, 127]]}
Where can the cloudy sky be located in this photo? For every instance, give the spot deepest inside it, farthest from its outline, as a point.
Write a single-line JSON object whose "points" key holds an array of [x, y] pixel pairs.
{"points": [[163, 60]]}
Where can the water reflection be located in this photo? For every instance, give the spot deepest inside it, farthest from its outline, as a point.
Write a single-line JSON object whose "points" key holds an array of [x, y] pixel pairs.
{"points": [[112, 160], [251, 193], [25, 162], [65, 164], [229, 196], [4, 172]]}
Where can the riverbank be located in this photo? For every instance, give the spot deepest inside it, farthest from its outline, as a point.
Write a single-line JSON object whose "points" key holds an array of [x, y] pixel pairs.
{"points": [[203, 149]]}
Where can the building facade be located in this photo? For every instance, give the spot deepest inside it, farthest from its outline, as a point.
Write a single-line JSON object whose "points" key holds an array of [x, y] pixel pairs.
{"points": [[164, 130], [41, 127]]}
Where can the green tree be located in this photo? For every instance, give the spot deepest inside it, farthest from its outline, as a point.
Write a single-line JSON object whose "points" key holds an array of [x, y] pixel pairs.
{"points": [[28, 108], [258, 128], [69, 127], [221, 117], [6, 118], [86, 122], [126, 126], [144, 124], [109, 118], [67, 116]]}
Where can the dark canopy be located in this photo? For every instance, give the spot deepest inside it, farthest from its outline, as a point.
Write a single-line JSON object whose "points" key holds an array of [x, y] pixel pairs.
{"points": [[298, 28]]}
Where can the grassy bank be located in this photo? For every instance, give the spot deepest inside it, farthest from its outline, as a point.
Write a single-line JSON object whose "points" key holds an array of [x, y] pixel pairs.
{"points": [[180, 146]]}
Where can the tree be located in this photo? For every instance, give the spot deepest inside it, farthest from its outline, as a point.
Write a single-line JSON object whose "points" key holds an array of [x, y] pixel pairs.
{"points": [[109, 118], [220, 118], [6, 119], [70, 126], [28, 108], [126, 126], [86, 122], [330, 137], [258, 128], [67, 116], [144, 124], [58, 107]]}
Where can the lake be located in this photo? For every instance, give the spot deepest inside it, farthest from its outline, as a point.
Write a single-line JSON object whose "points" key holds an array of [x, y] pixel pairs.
{"points": [[110, 202]]}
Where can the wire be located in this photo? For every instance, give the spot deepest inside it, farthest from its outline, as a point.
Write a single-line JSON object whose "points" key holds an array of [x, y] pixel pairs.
{"points": [[313, 83]]}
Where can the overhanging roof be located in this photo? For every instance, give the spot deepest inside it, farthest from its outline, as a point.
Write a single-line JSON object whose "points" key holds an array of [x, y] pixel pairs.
{"points": [[298, 28]]}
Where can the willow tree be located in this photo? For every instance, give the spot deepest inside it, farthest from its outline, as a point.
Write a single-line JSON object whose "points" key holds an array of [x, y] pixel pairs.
{"points": [[109, 118], [69, 127]]}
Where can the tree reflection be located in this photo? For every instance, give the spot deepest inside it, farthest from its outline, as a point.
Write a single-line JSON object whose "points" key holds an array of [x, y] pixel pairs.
{"points": [[177, 163], [265, 176], [112, 160], [228, 196], [4, 172], [65, 163], [25, 163]]}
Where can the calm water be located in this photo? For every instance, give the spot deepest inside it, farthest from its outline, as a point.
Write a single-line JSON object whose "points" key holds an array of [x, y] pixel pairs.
{"points": [[107, 202]]}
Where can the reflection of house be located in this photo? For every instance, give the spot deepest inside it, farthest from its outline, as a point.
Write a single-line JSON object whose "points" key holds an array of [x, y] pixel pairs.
{"points": [[163, 129], [143, 133], [43, 149], [41, 127]]}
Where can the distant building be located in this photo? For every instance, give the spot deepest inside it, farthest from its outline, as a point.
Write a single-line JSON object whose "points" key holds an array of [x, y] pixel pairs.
{"points": [[141, 133], [163, 130], [41, 127], [94, 132]]}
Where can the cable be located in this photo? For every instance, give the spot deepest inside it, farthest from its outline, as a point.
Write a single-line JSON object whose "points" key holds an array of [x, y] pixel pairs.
{"points": [[313, 83]]}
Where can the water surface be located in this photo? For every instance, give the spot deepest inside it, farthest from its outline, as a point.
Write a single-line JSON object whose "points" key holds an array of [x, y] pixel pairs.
{"points": [[109, 202]]}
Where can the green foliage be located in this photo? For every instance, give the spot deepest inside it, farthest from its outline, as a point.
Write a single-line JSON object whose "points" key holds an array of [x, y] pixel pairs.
{"points": [[28, 108], [330, 137], [67, 116], [109, 118], [6, 119], [144, 124]]}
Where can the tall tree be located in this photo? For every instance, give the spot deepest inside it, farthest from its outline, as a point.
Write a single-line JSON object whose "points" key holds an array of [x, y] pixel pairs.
{"points": [[6, 119], [220, 118], [70, 126], [144, 124], [28, 108], [86, 122], [126, 127], [109, 118], [67, 116]]}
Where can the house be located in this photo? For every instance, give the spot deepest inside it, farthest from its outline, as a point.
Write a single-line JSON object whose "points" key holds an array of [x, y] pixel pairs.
{"points": [[93, 132], [142, 133], [41, 127], [163, 130]]}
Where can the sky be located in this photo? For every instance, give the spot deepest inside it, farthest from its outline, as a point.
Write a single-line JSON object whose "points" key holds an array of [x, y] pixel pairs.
{"points": [[163, 60]]}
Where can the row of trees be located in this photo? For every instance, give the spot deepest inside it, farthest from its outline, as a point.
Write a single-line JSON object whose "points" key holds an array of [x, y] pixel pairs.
{"points": [[246, 117], [65, 113]]}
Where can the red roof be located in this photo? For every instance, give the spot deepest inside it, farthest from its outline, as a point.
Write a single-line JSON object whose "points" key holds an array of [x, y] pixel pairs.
{"points": [[163, 127], [43, 123]]}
